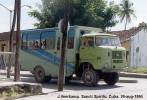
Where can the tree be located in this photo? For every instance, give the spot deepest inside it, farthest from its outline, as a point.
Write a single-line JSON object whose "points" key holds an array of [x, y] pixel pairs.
{"points": [[94, 13], [142, 25], [126, 11]]}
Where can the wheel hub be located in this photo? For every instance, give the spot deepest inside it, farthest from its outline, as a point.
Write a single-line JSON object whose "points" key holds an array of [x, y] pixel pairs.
{"points": [[40, 74], [89, 77]]}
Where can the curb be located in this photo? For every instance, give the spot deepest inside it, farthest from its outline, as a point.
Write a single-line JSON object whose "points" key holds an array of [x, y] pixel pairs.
{"points": [[127, 81], [21, 74], [133, 75]]}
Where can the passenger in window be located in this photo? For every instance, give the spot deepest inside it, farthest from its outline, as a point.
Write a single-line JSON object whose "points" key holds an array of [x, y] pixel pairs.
{"points": [[43, 45], [70, 45], [90, 43], [36, 45], [24, 46], [86, 43], [30, 45]]}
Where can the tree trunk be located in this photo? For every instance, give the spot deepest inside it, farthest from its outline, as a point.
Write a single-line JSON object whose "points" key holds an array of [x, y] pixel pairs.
{"points": [[17, 66], [126, 23]]}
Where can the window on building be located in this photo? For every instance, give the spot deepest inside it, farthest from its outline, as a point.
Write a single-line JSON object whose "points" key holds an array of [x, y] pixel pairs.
{"points": [[48, 40], [3, 47]]}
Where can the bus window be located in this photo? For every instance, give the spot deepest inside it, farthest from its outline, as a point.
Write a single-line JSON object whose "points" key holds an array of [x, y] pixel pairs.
{"points": [[70, 44], [24, 41], [33, 41], [88, 41], [48, 40], [43, 44]]}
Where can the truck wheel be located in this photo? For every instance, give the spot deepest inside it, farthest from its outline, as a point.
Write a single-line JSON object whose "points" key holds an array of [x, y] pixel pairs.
{"points": [[68, 78], [90, 77], [111, 78], [39, 75]]}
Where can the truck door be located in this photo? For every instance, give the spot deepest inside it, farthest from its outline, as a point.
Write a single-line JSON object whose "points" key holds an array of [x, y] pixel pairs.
{"points": [[87, 49]]}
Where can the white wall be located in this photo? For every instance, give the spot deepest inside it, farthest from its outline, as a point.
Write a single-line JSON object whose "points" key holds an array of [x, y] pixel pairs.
{"points": [[139, 59]]}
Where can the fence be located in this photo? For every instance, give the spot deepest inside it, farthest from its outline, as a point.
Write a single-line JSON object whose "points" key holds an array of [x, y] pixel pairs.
{"points": [[6, 64]]}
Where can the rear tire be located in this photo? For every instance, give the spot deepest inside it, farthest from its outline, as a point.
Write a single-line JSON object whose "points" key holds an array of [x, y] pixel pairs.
{"points": [[90, 77], [111, 78], [39, 75]]}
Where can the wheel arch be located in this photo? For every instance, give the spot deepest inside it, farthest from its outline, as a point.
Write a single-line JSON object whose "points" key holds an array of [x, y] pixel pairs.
{"points": [[40, 75], [40, 67], [83, 66]]}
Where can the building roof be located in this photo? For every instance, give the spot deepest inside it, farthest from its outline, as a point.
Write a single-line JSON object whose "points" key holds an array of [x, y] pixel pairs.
{"points": [[125, 35], [6, 36]]}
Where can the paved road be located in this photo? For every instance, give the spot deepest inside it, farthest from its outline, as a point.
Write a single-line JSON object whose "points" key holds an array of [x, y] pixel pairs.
{"points": [[75, 90]]}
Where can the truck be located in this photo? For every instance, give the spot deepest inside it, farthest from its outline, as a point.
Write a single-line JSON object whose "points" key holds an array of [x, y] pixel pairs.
{"points": [[90, 54]]}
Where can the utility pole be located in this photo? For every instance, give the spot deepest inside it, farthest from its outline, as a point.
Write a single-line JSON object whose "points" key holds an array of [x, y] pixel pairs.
{"points": [[17, 66], [11, 34], [11, 39], [64, 30]]}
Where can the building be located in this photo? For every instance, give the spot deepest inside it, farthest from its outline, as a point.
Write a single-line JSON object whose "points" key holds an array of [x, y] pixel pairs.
{"points": [[135, 42], [4, 41]]}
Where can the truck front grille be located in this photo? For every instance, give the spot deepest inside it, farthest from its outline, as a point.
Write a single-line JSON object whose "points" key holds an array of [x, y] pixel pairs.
{"points": [[117, 61]]}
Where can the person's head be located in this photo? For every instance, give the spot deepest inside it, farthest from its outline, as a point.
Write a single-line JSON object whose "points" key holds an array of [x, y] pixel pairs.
{"points": [[24, 44], [36, 43], [43, 42], [30, 44]]}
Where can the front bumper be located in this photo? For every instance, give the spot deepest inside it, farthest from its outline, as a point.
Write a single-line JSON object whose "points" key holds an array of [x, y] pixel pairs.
{"points": [[114, 69]]}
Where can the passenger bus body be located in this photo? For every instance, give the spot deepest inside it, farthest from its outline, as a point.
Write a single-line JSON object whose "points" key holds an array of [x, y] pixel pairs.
{"points": [[85, 57]]}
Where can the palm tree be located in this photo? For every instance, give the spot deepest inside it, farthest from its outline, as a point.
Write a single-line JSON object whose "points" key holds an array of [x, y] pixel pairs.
{"points": [[126, 11]]}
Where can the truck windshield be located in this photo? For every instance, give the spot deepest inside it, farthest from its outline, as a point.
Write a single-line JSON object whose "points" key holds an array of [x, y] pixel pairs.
{"points": [[107, 41]]}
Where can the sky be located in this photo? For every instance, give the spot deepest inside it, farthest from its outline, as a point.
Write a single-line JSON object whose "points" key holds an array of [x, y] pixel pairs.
{"points": [[140, 7], [27, 21]]}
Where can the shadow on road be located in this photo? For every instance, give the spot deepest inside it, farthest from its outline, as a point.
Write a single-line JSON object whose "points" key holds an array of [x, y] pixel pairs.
{"points": [[75, 85]]}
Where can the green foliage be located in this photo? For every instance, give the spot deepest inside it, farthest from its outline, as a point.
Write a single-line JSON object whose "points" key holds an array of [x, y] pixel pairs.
{"points": [[126, 11], [137, 70], [142, 25], [94, 13]]}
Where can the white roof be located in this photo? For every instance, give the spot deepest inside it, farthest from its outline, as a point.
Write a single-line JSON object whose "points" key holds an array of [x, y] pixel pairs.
{"points": [[98, 34]]}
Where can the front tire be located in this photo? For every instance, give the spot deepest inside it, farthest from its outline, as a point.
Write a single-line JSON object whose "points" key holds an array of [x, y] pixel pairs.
{"points": [[90, 77], [68, 78], [111, 78], [39, 75]]}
